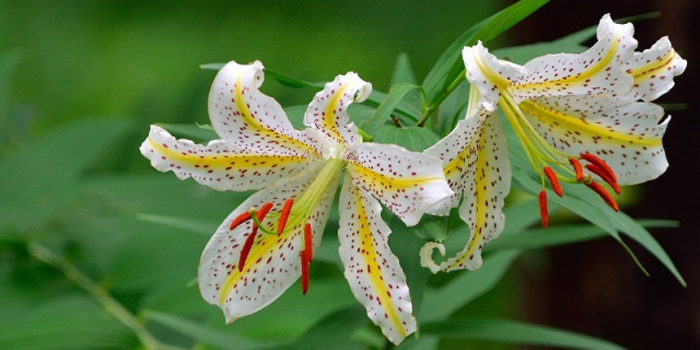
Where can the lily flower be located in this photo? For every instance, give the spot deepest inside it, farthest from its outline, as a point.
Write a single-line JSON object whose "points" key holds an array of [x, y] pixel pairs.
{"points": [[267, 243], [577, 117]]}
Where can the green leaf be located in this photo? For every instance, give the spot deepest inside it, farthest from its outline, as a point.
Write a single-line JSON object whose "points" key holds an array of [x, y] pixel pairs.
{"points": [[386, 108], [403, 72], [68, 322], [43, 177], [8, 64], [407, 113], [333, 331], [293, 82], [637, 232], [197, 331], [281, 78], [413, 138], [203, 228], [467, 286], [559, 235], [514, 332], [443, 72], [198, 133]]}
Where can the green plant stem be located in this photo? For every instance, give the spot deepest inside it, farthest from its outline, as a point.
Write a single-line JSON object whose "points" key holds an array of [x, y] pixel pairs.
{"points": [[98, 293], [428, 111]]}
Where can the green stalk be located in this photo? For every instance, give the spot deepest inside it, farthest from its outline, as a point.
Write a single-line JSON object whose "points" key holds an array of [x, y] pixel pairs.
{"points": [[98, 293], [428, 110]]}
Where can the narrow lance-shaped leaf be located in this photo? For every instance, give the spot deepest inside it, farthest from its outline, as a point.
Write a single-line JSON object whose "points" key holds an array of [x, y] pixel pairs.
{"points": [[392, 100], [514, 332], [485, 30]]}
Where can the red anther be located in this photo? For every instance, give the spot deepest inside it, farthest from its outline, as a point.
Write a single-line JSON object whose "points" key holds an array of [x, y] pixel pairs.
{"points": [[577, 168], [263, 211], [284, 215], [552, 176], [239, 220], [304, 273], [543, 208], [597, 188], [600, 163], [309, 245], [603, 175], [246, 248]]}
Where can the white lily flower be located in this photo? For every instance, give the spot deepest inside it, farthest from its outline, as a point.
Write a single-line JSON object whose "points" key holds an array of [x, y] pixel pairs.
{"points": [[565, 109], [267, 243]]}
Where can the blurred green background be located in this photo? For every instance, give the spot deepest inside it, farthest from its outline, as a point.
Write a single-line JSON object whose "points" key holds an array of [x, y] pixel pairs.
{"points": [[80, 81]]}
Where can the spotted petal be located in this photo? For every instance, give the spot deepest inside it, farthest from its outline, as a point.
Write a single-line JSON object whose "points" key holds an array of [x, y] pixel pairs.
{"points": [[372, 270], [458, 153], [273, 263], [407, 183], [653, 70], [598, 70], [246, 118], [328, 110], [219, 164], [627, 135], [484, 179], [489, 74]]}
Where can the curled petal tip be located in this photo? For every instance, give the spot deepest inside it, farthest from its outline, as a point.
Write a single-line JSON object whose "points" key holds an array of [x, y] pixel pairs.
{"points": [[426, 258]]}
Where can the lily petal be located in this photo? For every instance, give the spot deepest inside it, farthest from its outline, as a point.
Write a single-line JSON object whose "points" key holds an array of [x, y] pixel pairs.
{"points": [[372, 270], [246, 118], [626, 134], [458, 152], [598, 70], [220, 165], [407, 183], [653, 70], [485, 168], [327, 112], [489, 74], [273, 263]]}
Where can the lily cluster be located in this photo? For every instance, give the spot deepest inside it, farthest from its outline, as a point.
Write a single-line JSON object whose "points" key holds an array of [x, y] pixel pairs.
{"points": [[565, 109]]}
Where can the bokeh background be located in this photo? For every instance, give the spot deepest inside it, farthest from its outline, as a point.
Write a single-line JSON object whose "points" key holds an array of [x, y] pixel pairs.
{"points": [[127, 64]]}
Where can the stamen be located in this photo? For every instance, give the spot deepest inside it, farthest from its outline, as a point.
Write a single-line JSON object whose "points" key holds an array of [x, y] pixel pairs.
{"points": [[603, 175], [239, 220], [308, 243], [597, 188], [284, 215], [577, 168], [258, 216], [552, 176], [304, 273], [543, 208], [600, 163], [246, 249]]}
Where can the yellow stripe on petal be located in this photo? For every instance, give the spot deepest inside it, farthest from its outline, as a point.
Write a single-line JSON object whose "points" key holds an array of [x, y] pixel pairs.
{"points": [[407, 183], [251, 120], [646, 71], [327, 112], [382, 182], [330, 117], [485, 184], [244, 109], [225, 161], [566, 123], [219, 164], [372, 270]]}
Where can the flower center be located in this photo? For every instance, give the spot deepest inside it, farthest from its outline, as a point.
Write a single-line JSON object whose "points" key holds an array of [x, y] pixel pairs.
{"points": [[290, 218], [554, 165]]}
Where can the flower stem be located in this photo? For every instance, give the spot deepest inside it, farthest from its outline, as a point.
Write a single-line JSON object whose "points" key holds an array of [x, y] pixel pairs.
{"points": [[98, 293], [428, 110]]}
